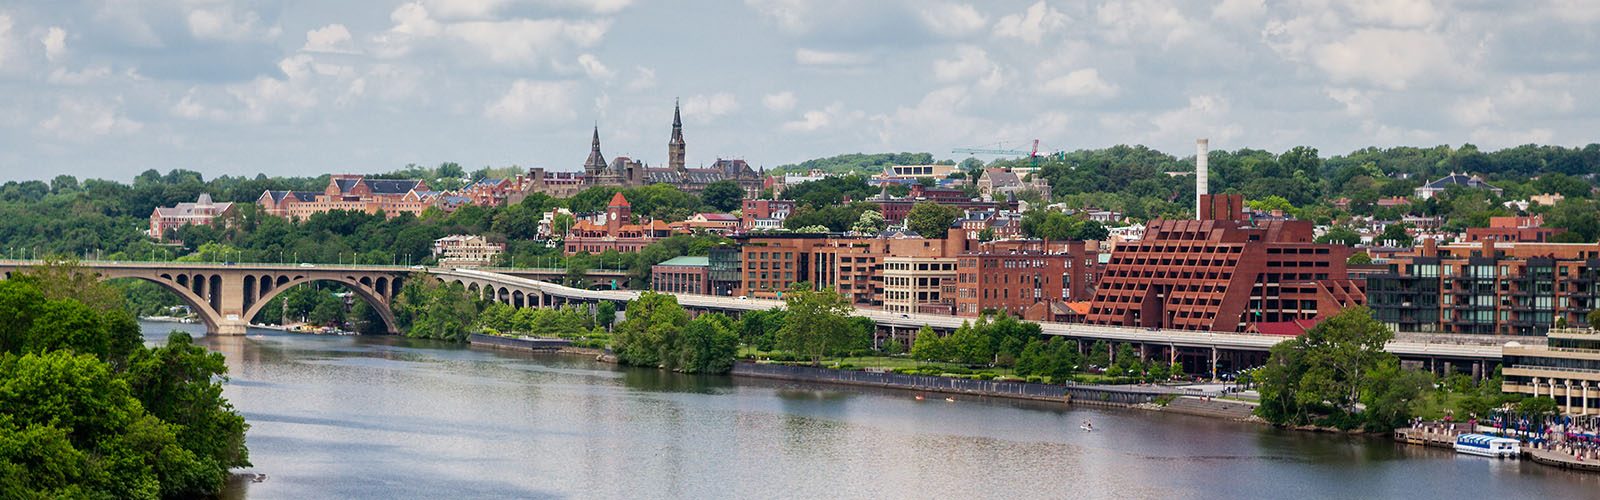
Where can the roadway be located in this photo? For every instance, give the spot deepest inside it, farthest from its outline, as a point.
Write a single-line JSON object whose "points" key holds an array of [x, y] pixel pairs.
{"points": [[1407, 345]]}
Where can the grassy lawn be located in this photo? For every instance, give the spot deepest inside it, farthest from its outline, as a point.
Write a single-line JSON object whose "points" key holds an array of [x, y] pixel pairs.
{"points": [[1429, 407]]}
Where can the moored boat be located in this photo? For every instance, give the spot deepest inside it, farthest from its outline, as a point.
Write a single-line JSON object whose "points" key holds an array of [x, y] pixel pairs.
{"points": [[1488, 446]]}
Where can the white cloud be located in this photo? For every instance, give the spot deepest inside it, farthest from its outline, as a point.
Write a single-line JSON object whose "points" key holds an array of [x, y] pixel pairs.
{"points": [[1388, 58], [1356, 102], [707, 108], [533, 101], [781, 101], [812, 57], [62, 76], [1127, 21], [333, 38], [967, 63], [222, 24], [1502, 138], [952, 19], [644, 78], [1393, 13], [78, 120], [520, 41], [594, 68], [1474, 112], [794, 16], [818, 119], [5, 39], [1238, 11], [55, 43], [493, 9], [1081, 83], [1032, 24], [1205, 116]]}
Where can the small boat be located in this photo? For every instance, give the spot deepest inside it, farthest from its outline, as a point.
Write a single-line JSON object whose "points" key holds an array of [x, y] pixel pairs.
{"points": [[258, 478], [950, 399], [1484, 445], [919, 397], [1086, 426]]}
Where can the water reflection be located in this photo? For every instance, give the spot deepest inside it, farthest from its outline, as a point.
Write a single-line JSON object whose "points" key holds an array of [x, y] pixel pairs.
{"points": [[385, 417]]}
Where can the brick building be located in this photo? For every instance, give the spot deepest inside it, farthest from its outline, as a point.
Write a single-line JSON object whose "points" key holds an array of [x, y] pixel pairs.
{"points": [[354, 193], [764, 215], [613, 230], [1222, 273], [682, 275], [461, 250], [1487, 287], [1013, 276], [1528, 229], [201, 212]]}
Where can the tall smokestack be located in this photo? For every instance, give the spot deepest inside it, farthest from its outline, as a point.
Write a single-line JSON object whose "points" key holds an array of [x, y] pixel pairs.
{"points": [[1202, 159]]}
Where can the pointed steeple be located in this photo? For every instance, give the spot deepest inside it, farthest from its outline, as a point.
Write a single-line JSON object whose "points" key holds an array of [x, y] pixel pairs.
{"points": [[597, 161], [675, 147]]}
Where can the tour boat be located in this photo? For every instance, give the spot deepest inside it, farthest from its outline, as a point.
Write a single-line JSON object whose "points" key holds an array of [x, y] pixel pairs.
{"points": [[1488, 446]]}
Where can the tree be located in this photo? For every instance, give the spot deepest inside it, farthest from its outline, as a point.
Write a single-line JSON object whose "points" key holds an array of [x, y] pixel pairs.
{"points": [[723, 195], [649, 334], [1330, 369], [429, 309], [968, 345], [816, 321], [605, 313], [1594, 319], [1341, 235], [1396, 234], [1540, 406], [708, 345], [927, 346], [871, 222], [931, 220], [1359, 258]]}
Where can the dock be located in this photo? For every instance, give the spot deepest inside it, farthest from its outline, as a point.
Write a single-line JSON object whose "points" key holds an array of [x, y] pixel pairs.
{"points": [[1438, 435]]}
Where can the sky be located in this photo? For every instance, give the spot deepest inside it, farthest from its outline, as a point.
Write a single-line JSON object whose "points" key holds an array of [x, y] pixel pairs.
{"points": [[110, 88]]}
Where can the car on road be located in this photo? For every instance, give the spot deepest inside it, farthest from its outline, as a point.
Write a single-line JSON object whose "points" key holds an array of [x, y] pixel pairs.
{"points": [[304, 264], [744, 297]]}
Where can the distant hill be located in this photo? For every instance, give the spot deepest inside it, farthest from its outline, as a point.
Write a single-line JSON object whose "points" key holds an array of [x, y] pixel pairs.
{"points": [[860, 162]]}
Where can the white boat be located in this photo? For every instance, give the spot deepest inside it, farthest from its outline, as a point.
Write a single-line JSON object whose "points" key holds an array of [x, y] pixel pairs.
{"points": [[1086, 428], [1488, 446]]}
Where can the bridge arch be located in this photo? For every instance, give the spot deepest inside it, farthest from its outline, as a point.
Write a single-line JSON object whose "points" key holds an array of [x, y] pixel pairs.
{"points": [[201, 306], [378, 301]]}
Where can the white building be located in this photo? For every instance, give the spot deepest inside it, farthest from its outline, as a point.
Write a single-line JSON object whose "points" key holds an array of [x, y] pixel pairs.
{"points": [[459, 250]]}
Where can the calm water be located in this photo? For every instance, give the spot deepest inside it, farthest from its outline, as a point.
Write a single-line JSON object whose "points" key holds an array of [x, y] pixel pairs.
{"points": [[385, 417]]}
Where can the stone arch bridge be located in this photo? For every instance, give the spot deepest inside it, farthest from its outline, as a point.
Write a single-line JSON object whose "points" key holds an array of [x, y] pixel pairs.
{"points": [[227, 296]]}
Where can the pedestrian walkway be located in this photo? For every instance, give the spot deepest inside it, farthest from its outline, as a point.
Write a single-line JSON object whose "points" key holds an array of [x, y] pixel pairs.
{"points": [[1211, 407]]}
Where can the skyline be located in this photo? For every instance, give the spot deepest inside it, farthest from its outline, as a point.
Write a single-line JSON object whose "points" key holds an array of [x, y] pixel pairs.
{"points": [[110, 88]]}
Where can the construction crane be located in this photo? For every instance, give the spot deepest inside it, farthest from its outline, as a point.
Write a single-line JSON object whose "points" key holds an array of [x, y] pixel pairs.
{"points": [[1033, 155]]}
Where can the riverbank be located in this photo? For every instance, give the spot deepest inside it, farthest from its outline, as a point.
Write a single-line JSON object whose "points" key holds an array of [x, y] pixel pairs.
{"points": [[532, 344], [1078, 394]]}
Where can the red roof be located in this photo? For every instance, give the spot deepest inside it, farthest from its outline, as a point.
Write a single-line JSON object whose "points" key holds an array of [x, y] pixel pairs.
{"points": [[617, 200], [1292, 328]]}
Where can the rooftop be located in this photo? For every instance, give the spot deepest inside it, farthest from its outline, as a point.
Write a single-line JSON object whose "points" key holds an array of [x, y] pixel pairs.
{"points": [[687, 261]]}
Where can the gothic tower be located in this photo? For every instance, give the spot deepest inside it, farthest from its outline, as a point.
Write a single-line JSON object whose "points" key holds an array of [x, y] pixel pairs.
{"points": [[597, 162], [675, 146]]}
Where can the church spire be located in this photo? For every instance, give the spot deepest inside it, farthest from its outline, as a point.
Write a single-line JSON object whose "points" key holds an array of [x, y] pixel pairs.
{"points": [[675, 147], [597, 161]]}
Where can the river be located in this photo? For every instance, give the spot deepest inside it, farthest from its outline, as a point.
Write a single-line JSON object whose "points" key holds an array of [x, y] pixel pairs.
{"points": [[388, 417]]}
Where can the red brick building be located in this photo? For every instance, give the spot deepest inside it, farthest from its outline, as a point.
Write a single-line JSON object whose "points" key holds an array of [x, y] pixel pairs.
{"points": [[351, 192], [614, 231], [1222, 274], [1528, 229], [202, 212], [1013, 276], [764, 214]]}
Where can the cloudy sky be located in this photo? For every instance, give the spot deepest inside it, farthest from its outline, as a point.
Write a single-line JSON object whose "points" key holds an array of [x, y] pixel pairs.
{"points": [[109, 88]]}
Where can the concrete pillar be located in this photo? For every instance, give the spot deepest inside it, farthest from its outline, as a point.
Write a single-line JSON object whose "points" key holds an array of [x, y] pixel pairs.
{"points": [[1585, 398], [1568, 402], [1477, 370], [1172, 354], [1213, 362], [1144, 353], [1535, 387]]}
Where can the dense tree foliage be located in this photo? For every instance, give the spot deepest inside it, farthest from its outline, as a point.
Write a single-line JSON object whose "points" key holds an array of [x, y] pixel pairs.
{"points": [[931, 220], [857, 163], [428, 308], [86, 411], [1320, 377], [817, 322]]}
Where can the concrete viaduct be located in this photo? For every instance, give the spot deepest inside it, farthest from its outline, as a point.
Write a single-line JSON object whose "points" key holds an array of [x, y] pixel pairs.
{"points": [[227, 296]]}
